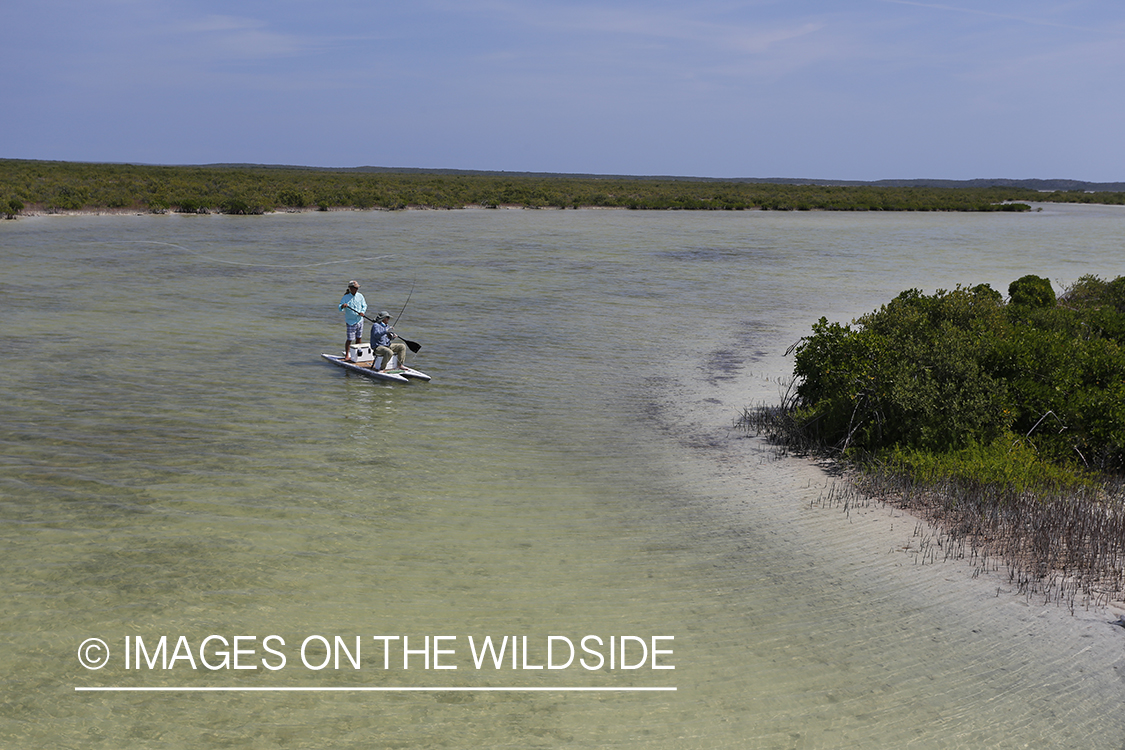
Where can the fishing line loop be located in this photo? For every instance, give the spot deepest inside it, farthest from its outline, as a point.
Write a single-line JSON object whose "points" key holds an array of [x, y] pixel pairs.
{"points": [[239, 263]]}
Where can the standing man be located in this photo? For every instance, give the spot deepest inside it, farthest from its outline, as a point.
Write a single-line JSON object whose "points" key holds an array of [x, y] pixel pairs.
{"points": [[354, 306], [382, 336]]}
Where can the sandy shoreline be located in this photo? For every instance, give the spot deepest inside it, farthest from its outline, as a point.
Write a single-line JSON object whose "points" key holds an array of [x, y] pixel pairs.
{"points": [[879, 543], [882, 523], [866, 587]]}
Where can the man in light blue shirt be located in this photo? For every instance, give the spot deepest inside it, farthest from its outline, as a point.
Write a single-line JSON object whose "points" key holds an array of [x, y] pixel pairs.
{"points": [[354, 306]]}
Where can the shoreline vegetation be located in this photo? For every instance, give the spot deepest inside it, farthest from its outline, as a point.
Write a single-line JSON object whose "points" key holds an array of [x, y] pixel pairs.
{"points": [[1001, 422], [30, 187]]}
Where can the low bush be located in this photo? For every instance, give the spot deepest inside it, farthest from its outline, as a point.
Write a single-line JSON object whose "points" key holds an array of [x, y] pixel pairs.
{"points": [[944, 372]]}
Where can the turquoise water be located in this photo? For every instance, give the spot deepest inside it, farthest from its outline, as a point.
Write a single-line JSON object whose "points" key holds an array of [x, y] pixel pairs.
{"points": [[178, 461]]}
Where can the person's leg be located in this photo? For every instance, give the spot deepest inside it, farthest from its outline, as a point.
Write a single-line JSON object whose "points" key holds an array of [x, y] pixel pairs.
{"points": [[399, 349], [354, 333], [348, 342], [386, 354]]}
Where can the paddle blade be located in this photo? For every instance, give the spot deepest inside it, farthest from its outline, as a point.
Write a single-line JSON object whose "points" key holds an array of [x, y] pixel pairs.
{"points": [[413, 346]]}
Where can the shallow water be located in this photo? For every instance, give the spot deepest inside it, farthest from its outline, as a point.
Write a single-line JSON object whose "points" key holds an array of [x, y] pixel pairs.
{"points": [[179, 461]]}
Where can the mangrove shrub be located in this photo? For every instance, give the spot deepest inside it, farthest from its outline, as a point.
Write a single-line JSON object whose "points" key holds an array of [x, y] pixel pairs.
{"points": [[956, 369]]}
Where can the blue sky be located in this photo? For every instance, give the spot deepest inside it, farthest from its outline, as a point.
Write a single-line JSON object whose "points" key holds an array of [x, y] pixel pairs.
{"points": [[849, 89]]}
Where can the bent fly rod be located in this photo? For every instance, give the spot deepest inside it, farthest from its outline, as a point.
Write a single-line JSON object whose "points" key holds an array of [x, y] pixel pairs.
{"points": [[413, 346], [404, 304]]}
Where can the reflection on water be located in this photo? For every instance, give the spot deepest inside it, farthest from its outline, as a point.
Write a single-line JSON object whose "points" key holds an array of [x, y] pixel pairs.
{"points": [[178, 461]]}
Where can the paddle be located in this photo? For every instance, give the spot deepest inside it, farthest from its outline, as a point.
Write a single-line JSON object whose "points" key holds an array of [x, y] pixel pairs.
{"points": [[413, 346]]}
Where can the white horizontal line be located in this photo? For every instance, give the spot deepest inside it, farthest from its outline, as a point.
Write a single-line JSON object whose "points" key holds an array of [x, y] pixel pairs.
{"points": [[112, 689]]}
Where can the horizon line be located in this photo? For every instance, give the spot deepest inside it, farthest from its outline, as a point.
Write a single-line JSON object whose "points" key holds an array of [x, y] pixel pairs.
{"points": [[369, 689], [591, 175]]}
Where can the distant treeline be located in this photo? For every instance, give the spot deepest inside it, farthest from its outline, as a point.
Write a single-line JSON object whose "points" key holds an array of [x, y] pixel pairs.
{"points": [[45, 186]]}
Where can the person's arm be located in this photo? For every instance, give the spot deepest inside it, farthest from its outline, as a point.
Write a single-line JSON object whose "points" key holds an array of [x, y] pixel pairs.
{"points": [[349, 303]]}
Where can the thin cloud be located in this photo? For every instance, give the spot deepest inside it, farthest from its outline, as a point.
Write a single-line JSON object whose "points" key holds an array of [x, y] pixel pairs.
{"points": [[645, 22], [992, 14], [243, 38]]}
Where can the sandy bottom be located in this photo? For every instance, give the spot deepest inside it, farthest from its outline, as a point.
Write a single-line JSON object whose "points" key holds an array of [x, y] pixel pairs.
{"points": [[947, 615]]}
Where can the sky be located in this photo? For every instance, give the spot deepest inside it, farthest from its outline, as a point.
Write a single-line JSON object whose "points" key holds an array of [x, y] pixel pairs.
{"points": [[824, 89]]}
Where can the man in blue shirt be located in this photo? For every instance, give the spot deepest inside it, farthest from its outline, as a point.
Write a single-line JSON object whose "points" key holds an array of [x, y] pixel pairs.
{"points": [[384, 339], [354, 306]]}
